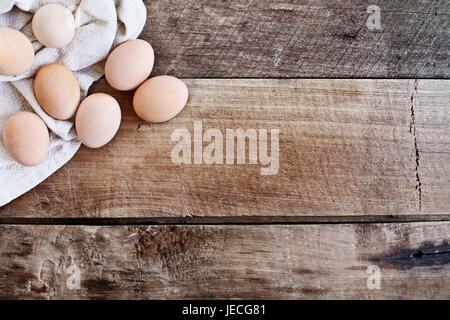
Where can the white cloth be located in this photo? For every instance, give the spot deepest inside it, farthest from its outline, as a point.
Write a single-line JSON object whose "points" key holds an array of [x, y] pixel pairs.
{"points": [[101, 24]]}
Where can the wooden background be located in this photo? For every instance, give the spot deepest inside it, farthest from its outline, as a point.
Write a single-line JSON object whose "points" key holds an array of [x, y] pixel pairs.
{"points": [[364, 176]]}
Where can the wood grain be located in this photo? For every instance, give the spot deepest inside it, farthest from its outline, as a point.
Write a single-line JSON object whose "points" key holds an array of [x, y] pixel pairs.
{"points": [[350, 151], [433, 153], [207, 262], [347, 148], [320, 38]]}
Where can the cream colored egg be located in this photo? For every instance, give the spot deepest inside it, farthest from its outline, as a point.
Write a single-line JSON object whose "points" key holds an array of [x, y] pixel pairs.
{"points": [[159, 99], [57, 91], [16, 52], [26, 138], [98, 120], [53, 25], [129, 65]]}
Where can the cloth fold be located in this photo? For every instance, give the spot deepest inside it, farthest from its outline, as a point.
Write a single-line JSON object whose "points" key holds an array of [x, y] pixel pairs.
{"points": [[101, 25]]}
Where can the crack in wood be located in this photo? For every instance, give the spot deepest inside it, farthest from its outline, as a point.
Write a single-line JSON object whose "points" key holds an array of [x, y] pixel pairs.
{"points": [[352, 34], [220, 220], [412, 129]]}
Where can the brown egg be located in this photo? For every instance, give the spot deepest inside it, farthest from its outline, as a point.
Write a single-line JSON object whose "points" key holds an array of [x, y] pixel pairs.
{"points": [[98, 119], [159, 99], [129, 65], [16, 52], [57, 91], [53, 25], [26, 138]]}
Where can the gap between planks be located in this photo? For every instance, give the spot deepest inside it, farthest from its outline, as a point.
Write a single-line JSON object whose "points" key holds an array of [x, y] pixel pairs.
{"points": [[224, 220]]}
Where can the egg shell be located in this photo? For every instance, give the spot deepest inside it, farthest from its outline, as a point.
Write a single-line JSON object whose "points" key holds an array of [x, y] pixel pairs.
{"points": [[57, 91], [159, 99], [129, 65], [53, 25], [26, 138], [16, 52], [98, 120]]}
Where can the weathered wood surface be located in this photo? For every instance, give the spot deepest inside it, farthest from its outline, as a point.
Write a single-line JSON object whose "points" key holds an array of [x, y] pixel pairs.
{"points": [[350, 150], [347, 148], [206, 262], [313, 38], [432, 118]]}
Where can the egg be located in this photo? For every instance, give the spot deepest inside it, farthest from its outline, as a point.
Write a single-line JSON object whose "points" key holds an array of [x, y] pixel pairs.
{"points": [[16, 52], [57, 91], [159, 99], [26, 138], [53, 25], [98, 120], [129, 65]]}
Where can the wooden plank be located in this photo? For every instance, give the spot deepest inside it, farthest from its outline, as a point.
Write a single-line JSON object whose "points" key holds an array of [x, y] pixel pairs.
{"points": [[204, 262], [346, 148], [279, 38], [433, 149]]}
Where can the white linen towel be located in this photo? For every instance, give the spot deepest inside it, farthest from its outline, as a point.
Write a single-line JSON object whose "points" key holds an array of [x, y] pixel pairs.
{"points": [[101, 25]]}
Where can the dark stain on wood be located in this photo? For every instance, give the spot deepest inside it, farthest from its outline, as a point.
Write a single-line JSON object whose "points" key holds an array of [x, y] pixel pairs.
{"points": [[357, 268], [99, 286], [314, 291], [425, 256], [303, 271]]}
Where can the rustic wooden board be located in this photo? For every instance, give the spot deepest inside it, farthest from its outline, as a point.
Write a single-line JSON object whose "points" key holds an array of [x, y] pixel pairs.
{"points": [[312, 38], [432, 116], [350, 150], [347, 148], [204, 262]]}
